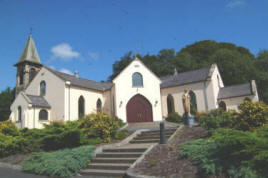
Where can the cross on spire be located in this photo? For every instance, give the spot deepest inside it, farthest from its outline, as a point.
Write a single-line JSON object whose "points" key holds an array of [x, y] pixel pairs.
{"points": [[135, 54], [31, 30]]}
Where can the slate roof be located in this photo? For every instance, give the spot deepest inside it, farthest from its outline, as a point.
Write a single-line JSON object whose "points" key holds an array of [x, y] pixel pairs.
{"points": [[185, 78], [30, 53], [235, 91], [38, 101], [81, 82]]}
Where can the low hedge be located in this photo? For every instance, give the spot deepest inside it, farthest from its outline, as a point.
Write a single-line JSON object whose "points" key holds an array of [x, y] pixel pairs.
{"points": [[235, 153], [174, 117], [63, 163]]}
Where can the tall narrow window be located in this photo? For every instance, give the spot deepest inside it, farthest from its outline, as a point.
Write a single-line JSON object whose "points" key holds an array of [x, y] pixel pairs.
{"points": [[21, 74], [43, 88], [32, 74], [193, 103], [137, 80], [81, 107], [170, 104], [99, 106], [43, 115], [19, 114], [222, 105]]}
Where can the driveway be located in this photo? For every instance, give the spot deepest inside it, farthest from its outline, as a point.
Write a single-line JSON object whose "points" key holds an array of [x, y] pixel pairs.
{"points": [[12, 173]]}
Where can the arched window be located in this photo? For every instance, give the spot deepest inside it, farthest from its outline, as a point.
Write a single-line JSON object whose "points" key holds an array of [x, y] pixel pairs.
{"points": [[43, 88], [21, 75], [137, 80], [222, 105], [19, 114], [32, 74], [170, 104], [193, 103], [99, 106], [43, 115], [81, 107]]}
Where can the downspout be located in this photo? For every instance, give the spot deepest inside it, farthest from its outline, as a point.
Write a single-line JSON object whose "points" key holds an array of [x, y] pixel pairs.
{"points": [[69, 103], [69, 99], [34, 119], [205, 95]]}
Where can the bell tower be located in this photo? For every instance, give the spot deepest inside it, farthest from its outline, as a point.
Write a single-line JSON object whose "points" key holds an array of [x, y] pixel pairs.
{"points": [[28, 65]]}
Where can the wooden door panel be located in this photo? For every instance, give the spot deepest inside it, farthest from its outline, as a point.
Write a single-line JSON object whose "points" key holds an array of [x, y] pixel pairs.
{"points": [[139, 109]]}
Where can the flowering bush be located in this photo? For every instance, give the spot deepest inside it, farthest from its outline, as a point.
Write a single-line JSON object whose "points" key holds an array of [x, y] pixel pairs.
{"points": [[100, 125], [251, 116]]}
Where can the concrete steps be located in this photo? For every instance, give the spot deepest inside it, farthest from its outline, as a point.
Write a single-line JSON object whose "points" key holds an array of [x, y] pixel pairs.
{"points": [[112, 162], [152, 136]]}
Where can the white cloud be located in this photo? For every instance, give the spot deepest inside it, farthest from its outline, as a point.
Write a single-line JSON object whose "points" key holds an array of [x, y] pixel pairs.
{"points": [[235, 3], [66, 71], [94, 55], [64, 51]]}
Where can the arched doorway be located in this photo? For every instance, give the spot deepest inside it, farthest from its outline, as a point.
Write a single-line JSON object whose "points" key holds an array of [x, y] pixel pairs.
{"points": [[193, 103], [222, 105], [139, 109], [170, 104]]}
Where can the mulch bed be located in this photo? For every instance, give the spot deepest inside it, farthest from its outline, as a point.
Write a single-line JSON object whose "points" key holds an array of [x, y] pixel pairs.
{"points": [[164, 160]]}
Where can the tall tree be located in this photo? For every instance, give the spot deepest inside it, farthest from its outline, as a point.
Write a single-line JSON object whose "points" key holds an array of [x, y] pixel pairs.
{"points": [[6, 98]]}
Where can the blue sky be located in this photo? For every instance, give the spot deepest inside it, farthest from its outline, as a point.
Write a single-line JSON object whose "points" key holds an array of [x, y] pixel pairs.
{"points": [[90, 35]]}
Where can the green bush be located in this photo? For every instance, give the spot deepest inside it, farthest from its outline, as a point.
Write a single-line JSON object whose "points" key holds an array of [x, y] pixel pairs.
{"points": [[231, 152], [8, 128], [100, 125], [252, 115], [217, 118], [63, 163], [121, 134], [174, 117]]}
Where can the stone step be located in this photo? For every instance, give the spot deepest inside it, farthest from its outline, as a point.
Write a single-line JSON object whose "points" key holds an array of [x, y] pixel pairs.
{"points": [[109, 166], [118, 155], [145, 141], [103, 172], [114, 160], [126, 150], [140, 137], [157, 132]]}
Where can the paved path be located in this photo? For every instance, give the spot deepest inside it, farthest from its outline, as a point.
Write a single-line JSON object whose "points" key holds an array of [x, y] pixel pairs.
{"points": [[12, 173], [150, 125]]}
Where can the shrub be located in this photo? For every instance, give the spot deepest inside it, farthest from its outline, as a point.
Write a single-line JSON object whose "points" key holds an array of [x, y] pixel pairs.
{"points": [[66, 139], [8, 128], [174, 117], [217, 118], [100, 125], [251, 116], [232, 152], [63, 163], [121, 134]]}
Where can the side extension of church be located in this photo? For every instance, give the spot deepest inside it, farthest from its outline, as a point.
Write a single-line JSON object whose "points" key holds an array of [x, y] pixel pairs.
{"points": [[135, 95]]}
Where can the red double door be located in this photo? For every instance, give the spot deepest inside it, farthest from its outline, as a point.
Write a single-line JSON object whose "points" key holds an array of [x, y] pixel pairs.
{"points": [[139, 109]]}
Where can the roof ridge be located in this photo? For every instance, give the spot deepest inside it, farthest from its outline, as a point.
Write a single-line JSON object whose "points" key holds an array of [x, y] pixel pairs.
{"points": [[74, 76], [186, 72]]}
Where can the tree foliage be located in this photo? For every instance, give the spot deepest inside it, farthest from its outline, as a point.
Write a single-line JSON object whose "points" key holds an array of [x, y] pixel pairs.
{"points": [[6, 98], [236, 64]]}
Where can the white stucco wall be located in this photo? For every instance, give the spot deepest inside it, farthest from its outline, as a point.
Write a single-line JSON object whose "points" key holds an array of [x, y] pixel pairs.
{"points": [[213, 88], [124, 90], [232, 103], [177, 92], [19, 101], [90, 97], [55, 88], [30, 115]]}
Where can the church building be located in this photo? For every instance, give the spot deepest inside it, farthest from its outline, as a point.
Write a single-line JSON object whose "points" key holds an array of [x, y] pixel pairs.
{"points": [[135, 95]]}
